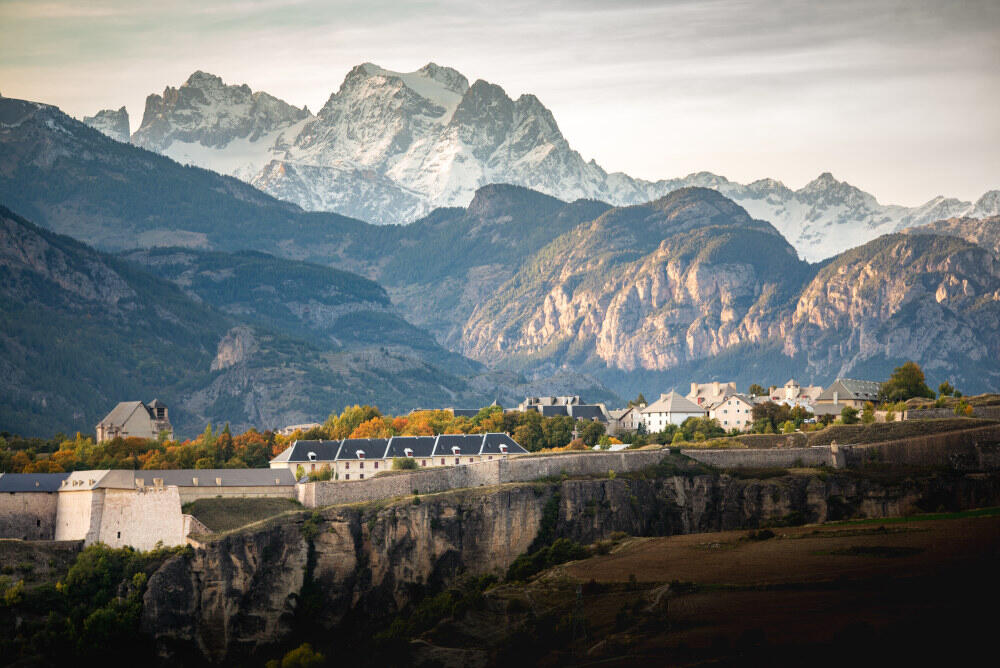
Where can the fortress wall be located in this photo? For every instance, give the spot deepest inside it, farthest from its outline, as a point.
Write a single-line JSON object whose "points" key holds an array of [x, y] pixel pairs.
{"points": [[773, 457], [141, 518], [189, 494], [28, 515], [78, 514]]}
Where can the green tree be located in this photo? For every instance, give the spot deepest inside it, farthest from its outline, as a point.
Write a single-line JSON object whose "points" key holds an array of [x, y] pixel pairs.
{"points": [[640, 400], [907, 381], [868, 413], [757, 390], [558, 431], [590, 431], [849, 415], [946, 389]]}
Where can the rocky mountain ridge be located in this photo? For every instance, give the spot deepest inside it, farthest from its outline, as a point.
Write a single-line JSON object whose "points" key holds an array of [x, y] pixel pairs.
{"points": [[114, 124], [388, 147]]}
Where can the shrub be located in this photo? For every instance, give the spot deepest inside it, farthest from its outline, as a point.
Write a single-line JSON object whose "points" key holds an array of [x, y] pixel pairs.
{"points": [[404, 464]]}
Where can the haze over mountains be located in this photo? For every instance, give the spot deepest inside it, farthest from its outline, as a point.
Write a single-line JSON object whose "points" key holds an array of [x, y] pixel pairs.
{"points": [[517, 292], [388, 147]]}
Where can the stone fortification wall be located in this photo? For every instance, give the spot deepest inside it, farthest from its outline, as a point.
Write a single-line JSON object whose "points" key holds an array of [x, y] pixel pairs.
{"points": [[142, 518], [189, 494], [514, 469], [987, 412], [970, 449], [797, 440], [28, 515], [78, 515], [766, 458]]}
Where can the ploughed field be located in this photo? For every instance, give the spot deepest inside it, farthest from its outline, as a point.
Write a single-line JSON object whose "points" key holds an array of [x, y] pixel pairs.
{"points": [[903, 589]]}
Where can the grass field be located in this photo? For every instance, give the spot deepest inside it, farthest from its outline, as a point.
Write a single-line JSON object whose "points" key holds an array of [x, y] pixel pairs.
{"points": [[863, 592], [226, 514]]}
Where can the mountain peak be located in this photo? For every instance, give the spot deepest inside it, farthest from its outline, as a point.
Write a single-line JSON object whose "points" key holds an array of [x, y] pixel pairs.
{"points": [[200, 79], [112, 123]]}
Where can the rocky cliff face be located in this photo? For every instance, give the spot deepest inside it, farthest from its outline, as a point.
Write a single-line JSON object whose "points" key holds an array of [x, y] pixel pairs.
{"points": [[112, 123], [648, 287], [249, 590], [388, 147]]}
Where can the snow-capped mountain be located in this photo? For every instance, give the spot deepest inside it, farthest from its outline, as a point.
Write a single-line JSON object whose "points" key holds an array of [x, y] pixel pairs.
{"points": [[112, 123], [229, 129], [388, 147]]}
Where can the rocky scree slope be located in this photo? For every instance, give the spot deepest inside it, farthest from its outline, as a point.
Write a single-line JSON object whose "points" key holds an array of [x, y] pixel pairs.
{"points": [[341, 572]]}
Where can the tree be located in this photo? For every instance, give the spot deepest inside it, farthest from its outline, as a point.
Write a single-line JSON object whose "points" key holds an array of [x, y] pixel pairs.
{"points": [[946, 389], [868, 413], [907, 381], [757, 390], [638, 401], [590, 431], [376, 427], [849, 415]]}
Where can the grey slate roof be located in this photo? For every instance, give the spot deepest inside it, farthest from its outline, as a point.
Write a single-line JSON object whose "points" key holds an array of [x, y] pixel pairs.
{"points": [[467, 444], [326, 451], [120, 414], [31, 482], [465, 412], [422, 446], [492, 443], [848, 388], [552, 411], [374, 448], [587, 412], [218, 477]]}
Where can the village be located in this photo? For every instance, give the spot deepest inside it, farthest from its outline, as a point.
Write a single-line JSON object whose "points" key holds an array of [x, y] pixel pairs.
{"points": [[143, 508]]}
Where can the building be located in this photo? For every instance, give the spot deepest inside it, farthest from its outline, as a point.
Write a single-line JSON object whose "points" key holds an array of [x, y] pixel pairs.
{"points": [[292, 428], [360, 458], [28, 505], [621, 420], [794, 394], [670, 408], [708, 394], [194, 484], [733, 412], [846, 392], [134, 418], [570, 406]]}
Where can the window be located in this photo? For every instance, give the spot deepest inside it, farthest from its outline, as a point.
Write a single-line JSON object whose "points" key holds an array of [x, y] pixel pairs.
{"points": [[119, 534], [423, 462], [361, 465], [362, 476], [457, 459], [347, 465], [347, 476], [490, 458], [470, 460], [312, 467], [442, 461], [376, 464], [38, 523]]}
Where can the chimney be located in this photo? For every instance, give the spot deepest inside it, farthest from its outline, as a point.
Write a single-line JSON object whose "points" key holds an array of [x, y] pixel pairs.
{"points": [[715, 388], [694, 388]]}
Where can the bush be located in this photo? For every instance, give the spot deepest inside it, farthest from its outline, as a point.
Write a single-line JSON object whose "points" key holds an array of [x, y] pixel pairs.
{"points": [[404, 464], [559, 552]]}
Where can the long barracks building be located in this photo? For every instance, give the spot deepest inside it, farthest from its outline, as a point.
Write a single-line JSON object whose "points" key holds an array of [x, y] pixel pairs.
{"points": [[360, 458]]}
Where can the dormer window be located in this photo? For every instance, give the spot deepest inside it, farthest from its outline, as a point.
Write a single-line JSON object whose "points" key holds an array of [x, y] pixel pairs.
{"points": [[503, 449], [312, 456], [455, 450], [408, 452], [360, 454]]}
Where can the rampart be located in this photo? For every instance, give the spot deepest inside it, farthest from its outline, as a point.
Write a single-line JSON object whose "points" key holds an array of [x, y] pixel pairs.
{"points": [[28, 515], [515, 469], [969, 449], [820, 455], [987, 412]]}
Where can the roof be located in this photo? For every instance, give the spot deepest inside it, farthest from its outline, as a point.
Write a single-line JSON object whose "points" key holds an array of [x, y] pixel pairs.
{"points": [[120, 414], [326, 451], [217, 477], [551, 411], [465, 412], [467, 444], [619, 413], [156, 403], [673, 403], [848, 388], [492, 443], [31, 482], [588, 412], [372, 448], [742, 397], [99, 479], [421, 446]]}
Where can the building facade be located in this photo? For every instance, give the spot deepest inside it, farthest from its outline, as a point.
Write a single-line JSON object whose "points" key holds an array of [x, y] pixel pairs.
{"points": [[670, 408], [134, 418], [733, 412]]}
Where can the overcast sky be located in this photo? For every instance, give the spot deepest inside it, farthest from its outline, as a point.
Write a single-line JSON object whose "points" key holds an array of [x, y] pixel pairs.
{"points": [[901, 98]]}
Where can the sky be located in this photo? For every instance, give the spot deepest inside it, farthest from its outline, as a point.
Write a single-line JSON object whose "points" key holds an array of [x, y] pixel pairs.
{"points": [[900, 98]]}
